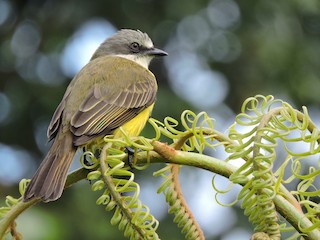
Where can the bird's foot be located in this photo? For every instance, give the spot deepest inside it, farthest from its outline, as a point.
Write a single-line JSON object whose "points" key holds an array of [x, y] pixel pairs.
{"points": [[130, 152]]}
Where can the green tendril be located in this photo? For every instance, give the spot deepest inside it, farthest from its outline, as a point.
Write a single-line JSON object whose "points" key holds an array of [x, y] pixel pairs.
{"points": [[183, 217], [268, 121], [121, 193], [276, 149]]}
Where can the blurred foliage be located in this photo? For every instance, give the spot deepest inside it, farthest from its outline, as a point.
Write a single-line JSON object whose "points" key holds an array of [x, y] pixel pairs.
{"points": [[276, 51]]}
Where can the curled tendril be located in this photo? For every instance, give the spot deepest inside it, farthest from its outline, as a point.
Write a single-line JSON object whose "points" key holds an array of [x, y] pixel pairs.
{"points": [[183, 216], [269, 120], [11, 201], [263, 123], [194, 132], [88, 156], [121, 193], [197, 131]]}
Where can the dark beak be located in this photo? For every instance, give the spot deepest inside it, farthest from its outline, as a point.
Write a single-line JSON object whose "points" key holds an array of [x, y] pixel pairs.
{"points": [[156, 52]]}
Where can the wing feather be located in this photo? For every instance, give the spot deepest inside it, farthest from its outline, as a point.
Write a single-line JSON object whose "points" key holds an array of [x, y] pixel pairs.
{"points": [[114, 97], [103, 110], [57, 116]]}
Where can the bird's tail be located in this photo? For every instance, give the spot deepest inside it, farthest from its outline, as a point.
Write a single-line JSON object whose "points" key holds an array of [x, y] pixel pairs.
{"points": [[49, 180]]}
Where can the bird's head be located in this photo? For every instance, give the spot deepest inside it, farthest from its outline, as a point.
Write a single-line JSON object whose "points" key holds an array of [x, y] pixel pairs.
{"points": [[131, 44]]}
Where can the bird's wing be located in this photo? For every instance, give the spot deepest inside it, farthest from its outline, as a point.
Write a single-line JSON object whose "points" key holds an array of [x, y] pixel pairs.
{"points": [[57, 116], [112, 102]]}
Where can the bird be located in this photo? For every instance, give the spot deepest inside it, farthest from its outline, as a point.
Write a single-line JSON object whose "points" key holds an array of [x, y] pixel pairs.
{"points": [[114, 89]]}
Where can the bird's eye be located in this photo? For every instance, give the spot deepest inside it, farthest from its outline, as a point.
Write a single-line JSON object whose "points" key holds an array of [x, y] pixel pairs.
{"points": [[135, 47]]}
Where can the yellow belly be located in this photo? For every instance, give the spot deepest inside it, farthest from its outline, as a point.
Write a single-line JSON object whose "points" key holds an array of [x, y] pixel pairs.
{"points": [[134, 126]]}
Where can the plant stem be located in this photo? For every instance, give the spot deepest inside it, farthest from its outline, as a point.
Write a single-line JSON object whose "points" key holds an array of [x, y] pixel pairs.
{"points": [[21, 206], [295, 217], [169, 155], [13, 214]]}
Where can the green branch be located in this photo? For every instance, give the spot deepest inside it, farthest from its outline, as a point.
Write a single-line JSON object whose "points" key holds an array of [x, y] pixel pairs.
{"points": [[169, 155], [21, 206], [284, 207], [266, 125]]}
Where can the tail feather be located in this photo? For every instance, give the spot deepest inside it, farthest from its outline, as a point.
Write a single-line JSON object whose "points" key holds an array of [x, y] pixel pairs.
{"points": [[50, 178]]}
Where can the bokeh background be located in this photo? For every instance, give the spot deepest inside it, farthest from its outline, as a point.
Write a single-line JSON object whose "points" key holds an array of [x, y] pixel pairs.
{"points": [[220, 53]]}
